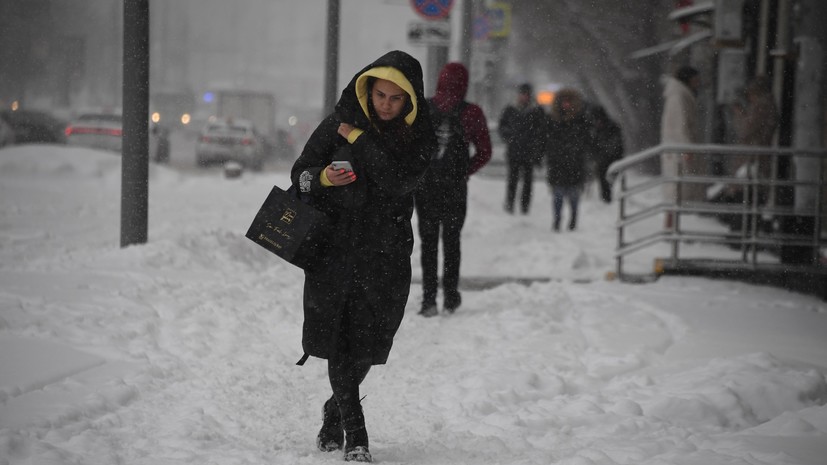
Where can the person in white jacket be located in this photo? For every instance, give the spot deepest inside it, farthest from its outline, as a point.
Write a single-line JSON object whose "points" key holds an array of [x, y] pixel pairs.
{"points": [[679, 125]]}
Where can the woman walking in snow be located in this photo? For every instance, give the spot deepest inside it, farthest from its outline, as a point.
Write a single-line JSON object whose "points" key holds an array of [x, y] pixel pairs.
{"points": [[679, 125], [354, 301], [569, 144]]}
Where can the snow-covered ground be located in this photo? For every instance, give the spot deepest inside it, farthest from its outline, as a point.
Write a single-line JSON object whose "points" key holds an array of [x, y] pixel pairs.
{"points": [[182, 350]]}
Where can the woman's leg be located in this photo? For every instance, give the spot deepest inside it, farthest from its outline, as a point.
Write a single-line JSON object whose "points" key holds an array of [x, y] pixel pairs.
{"points": [[557, 206], [428, 212], [346, 369], [511, 185], [527, 173], [345, 377], [574, 201], [453, 221], [331, 437], [346, 373]]}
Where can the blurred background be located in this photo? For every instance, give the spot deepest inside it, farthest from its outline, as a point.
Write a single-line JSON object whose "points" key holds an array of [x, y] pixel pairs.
{"points": [[65, 57]]}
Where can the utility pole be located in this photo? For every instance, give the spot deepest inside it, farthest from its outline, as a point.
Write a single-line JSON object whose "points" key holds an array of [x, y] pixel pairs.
{"points": [[467, 31], [135, 147], [331, 57], [437, 54], [437, 58]]}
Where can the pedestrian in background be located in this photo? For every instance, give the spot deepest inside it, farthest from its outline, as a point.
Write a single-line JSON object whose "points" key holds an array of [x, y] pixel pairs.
{"points": [[756, 119], [755, 122], [608, 148], [521, 128], [679, 125], [441, 199], [355, 300], [569, 143]]}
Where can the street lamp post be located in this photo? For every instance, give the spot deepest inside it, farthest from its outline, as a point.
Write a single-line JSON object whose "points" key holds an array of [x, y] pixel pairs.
{"points": [[331, 56], [135, 147]]}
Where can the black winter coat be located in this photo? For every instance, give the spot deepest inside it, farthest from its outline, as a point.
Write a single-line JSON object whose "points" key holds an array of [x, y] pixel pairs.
{"points": [[523, 129], [569, 145], [608, 145], [366, 269]]}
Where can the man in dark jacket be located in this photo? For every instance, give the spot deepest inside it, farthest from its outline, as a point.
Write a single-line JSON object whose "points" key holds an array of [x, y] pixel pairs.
{"points": [[608, 148], [355, 299], [442, 197], [568, 146], [521, 128]]}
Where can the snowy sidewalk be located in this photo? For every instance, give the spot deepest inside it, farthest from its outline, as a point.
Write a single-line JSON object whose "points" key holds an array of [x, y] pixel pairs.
{"points": [[182, 350]]}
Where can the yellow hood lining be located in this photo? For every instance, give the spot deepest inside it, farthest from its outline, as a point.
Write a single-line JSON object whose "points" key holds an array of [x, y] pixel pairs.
{"points": [[389, 74]]}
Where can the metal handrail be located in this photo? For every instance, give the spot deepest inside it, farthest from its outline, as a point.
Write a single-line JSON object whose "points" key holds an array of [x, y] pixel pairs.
{"points": [[715, 149], [751, 237]]}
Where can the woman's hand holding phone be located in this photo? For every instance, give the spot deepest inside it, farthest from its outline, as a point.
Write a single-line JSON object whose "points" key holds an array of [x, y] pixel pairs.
{"points": [[339, 175]]}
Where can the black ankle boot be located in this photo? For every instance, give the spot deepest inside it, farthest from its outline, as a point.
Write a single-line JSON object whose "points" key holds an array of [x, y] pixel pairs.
{"points": [[356, 448], [453, 299], [356, 437], [331, 436]]}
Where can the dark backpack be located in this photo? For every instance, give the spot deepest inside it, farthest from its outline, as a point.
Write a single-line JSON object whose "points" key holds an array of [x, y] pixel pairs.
{"points": [[451, 161]]}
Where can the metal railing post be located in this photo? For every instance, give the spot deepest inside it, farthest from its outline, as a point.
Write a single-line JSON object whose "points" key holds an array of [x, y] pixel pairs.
{"points": [[620, 217], [754, 182], [817, 212], [750, 239], [676, 216], [745, 201]]}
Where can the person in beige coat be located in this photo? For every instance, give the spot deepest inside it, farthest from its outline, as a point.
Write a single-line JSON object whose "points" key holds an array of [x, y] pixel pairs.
{"points": [[679, 125], [755, 122]]}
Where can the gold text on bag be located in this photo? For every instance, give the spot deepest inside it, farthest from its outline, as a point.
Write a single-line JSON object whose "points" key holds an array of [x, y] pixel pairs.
{"points": [[278, 230], [266, 239], [290, 228], [288, 216]]}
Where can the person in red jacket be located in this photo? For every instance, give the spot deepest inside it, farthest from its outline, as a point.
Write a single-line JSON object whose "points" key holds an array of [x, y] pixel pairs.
{"points": [[441, 197]]}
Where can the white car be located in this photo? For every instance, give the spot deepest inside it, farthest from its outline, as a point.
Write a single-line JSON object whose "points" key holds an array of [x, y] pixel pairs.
{"points": [[228, 139], [105, 131]]}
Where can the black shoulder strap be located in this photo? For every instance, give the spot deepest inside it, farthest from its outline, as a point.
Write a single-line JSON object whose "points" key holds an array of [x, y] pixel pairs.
{"points": [[457, 110]]}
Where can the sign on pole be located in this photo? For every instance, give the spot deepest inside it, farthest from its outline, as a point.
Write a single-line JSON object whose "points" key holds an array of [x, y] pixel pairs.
{"points": [[499, 19], [432, 9], [429, 33], [494, 22]]}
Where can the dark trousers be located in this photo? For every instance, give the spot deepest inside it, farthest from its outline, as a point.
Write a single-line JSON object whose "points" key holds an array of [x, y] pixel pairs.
{"points": [[347, 367], [559, 194], [436, 211], [605, 186], [519, 170]]}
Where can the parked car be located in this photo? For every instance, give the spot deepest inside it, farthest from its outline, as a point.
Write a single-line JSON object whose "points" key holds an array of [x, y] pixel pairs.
{"points": [[6, 134], [105, 131], [96, 130], [228, 139], [33, 127]]}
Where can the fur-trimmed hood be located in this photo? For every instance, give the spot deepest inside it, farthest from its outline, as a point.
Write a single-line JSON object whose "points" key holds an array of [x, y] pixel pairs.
{"points": [[572, 100]]}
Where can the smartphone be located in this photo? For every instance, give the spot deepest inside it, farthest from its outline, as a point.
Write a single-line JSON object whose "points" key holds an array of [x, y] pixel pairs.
{"points": [[337, 165]]}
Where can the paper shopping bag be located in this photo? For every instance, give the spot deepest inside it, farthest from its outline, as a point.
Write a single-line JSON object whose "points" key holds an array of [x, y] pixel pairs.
{"points": [[290, 228]]}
